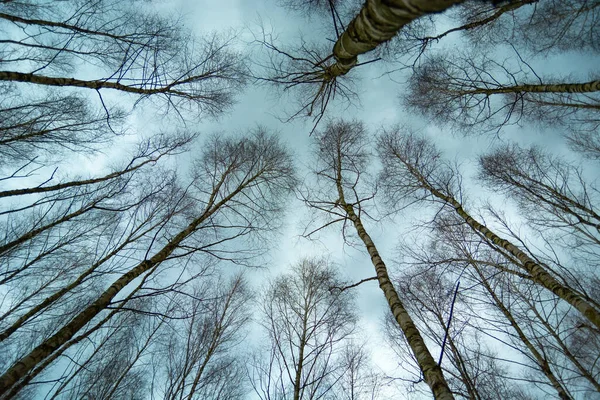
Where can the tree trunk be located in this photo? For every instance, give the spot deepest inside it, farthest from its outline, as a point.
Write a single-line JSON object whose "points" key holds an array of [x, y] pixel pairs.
{"points": [[538, 273], [140, 88], [22, 367], [586, 87], [432, 372], [377, 22]]}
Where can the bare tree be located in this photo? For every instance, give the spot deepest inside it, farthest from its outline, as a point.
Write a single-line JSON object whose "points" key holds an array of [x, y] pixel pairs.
{"points": [[316, 73], [359, 380], [341, 158], [307, 324], [198, 354], [144, 54], [555, 195], [497, 327], [478, 92], [236, 193], [540, 27], [487, 23], [413, 167], [34, 129]]}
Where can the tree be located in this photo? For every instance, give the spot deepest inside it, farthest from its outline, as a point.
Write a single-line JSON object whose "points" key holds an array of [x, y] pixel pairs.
{"points": [[478, 92], [553, 193], [341, 159], [198, 358], [413, 167], [453, 319], [548, 27], [236, 192], [316, 73], [78, 252], [538, 27], [306, 322], [359, 381], [146, 55]]}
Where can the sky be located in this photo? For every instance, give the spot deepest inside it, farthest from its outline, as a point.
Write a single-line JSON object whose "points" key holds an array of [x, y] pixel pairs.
{"points": [[378, 105], [258, 105]]}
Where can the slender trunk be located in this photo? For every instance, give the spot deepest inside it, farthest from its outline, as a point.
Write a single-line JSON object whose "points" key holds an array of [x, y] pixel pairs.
{"points": [[476, 24], [538, 273], [585, 87], [539, 358], [61, 25], [34, 232], [135, 359], [432, 372], [14, 390], [81, 366], [458, 359], [298, 377], [214, 344], [142, 88], [377, 22], [43, 189], [22, 367]]}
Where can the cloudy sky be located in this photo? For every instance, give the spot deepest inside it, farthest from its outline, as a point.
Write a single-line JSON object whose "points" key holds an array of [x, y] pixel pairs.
{"points": [[260, 105], [379, 86], [378, 105]]}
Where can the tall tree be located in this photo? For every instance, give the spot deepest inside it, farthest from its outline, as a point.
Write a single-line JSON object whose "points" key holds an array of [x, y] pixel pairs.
{"points": [[144, 54], [479, 92], [316, 72], [198, 359], [413, 167], [306, 321], [341, 160], [236, 192]]}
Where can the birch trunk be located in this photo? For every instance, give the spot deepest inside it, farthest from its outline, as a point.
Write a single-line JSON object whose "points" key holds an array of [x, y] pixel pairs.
{"points": [[377, 22], [22, 367], [141, 88], [585, 87], [432, 372], [538, 273]]}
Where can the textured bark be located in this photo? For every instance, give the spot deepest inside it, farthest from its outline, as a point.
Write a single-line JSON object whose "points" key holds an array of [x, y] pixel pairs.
{"points": [[22, 367], [585, 87], [432, 372], [377, 22], [141, 88], [14, 390], [538, 273]]}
